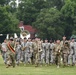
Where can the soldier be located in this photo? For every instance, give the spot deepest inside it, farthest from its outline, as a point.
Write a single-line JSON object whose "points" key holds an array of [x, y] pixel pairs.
{"points": [[74, 55], [47, 47], [65, 53], [62, 47], [57, 53], [25, 51], [35, 52], [43, 53], [71, 56], [11, 53], [22, 51], [52, 52], [39, 49], [4, 51], [30, 55], [18, 52]]}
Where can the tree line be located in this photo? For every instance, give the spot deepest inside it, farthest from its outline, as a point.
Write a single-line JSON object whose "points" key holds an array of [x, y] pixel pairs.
{"points": [[52, 18]]}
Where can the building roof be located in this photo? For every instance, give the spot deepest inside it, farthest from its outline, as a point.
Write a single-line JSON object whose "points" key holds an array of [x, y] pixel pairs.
{"points": [[29, 28]]}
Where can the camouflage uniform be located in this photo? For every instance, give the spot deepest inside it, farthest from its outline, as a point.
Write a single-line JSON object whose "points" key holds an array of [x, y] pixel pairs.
{"points": [[52, 57], [25, 51], [43, 53], [11, 55], [30, 54], [40, 49], [18, 53], [62, 47], [35, 52], [65, 53], [57, 53], [4, 51], [47, 48], [72, 53]]}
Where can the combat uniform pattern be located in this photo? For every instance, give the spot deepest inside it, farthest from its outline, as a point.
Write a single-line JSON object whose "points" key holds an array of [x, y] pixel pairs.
{"points": [[65, 53], [47, 48], [36, 53], [57, 54], [43, 53], [18, 53], [52, 57], [4, 52]]}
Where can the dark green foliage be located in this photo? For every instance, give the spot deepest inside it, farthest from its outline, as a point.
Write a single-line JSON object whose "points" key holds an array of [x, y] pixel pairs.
{"points": [[52, 18]]}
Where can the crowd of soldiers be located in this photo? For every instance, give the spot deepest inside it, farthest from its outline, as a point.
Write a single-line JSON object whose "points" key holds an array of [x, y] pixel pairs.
{"points": [[39, 52]]}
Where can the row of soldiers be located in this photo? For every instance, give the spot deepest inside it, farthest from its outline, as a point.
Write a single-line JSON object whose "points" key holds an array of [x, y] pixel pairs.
{"points": [[39, 52]]}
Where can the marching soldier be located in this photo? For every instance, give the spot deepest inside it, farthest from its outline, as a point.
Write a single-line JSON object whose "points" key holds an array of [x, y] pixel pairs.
{"points": [[30, 55], [18, 52], [57, 53], [39, 49], [4, 51], [52, 52], [72, 53], [65, 53], [11, 53], [47, 47], [25, 51], [43, 53], [36, 52], [62, 47]]}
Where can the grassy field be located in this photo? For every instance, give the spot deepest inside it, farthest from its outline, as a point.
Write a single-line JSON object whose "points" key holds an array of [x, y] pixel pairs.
{"points": [[31, 70]]}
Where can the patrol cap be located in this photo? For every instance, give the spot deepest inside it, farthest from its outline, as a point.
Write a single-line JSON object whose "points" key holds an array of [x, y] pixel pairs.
{"points": [[11, 38]]}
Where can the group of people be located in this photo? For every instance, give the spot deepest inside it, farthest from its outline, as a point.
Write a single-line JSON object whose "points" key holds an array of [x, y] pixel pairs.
{"points": [[38, 52]]}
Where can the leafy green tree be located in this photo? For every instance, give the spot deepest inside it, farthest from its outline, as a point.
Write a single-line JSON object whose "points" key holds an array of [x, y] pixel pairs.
{"points": [[49, 24], [4, 2], [29, 9], [55, 3], [8, 21], [69, 17]]}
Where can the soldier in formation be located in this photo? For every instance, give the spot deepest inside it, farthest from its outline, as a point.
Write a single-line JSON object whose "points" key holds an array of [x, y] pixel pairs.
{"points": [[38, 52]]}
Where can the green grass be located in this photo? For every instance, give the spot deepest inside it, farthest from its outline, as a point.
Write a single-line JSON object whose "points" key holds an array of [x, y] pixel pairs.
{"points": [[31, 70]]}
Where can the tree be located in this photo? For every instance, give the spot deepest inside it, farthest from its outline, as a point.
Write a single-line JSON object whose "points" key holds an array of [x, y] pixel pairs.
{"points": [[69, 17], [49, 24], [55, 3], [8, 22]]}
